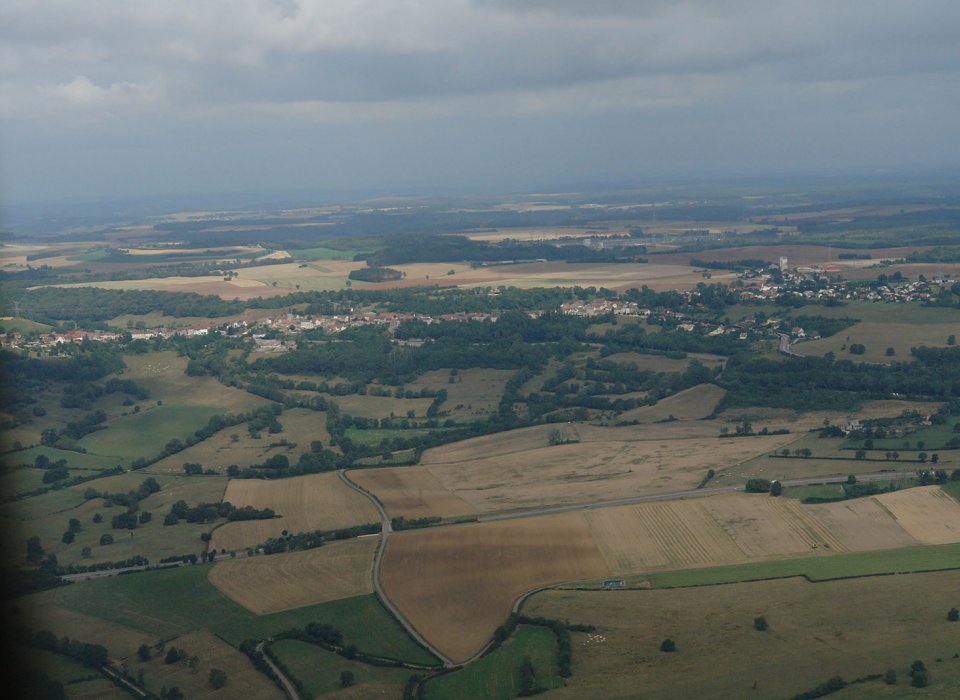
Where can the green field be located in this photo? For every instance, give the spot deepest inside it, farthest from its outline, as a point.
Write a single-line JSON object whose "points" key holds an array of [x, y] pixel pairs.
{"points": [[171, 602], [372, 438], [319, 670], [144, 434], [22, 325], [944, 679], [849, 565], [818, 491], [322, 253], [497, 675], [934, 437], [913, 313]]}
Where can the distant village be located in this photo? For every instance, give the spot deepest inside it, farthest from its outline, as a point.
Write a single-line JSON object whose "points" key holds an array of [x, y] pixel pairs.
{"points": [[777, 283]]}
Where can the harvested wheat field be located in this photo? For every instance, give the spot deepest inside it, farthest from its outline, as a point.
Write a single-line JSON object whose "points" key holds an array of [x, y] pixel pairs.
{"points": [[270, 584], [658, 535], [593, 471], [862, 524], [765, 526], [305, 504], [412, 492], [928, 513], [690, 404], [456, 584]]}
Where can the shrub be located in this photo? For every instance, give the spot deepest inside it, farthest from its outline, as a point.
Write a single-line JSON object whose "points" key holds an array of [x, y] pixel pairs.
{"points": [[218, 678], [668, 645], [953, 615], [760, 623]]}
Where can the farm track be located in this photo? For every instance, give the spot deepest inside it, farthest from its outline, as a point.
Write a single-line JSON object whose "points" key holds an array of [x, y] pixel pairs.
{"points": [[287, 685], [378, 559]]}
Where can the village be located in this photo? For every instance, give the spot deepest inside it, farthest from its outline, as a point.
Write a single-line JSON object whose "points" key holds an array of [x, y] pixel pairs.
{"points": [[776, 284]]}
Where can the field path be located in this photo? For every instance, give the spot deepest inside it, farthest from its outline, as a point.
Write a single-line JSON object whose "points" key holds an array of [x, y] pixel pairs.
{"points": [[378, 559], [287, 685]]}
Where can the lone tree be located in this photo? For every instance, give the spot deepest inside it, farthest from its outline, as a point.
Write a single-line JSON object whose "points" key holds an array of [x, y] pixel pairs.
{"points": [[760, 623], [918, 675], [347, 679], [143, 653], [218, 678], [668, 645], [890, 677], [776, 488], [953, 615]]}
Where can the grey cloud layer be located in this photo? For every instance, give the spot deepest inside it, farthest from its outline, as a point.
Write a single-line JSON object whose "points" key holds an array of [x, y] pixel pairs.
{"points": [[469, 88], [291, 51]]}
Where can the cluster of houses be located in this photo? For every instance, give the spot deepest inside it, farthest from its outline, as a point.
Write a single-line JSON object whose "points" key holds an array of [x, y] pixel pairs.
{"points": [[760, 285]]}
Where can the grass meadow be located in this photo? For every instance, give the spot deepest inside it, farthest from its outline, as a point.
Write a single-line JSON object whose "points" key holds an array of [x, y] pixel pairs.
{"points": [[168, 603], [497, 675]]}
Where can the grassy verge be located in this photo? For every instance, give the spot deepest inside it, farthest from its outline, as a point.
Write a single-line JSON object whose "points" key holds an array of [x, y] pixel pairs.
{"points": [[497, 675], [171, 602]]}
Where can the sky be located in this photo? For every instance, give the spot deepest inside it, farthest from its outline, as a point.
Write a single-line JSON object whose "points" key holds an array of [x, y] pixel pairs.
{"points": [[106, 99]]}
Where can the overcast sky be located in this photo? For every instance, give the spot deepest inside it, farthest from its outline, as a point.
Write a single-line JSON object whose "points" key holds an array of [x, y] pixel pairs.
{"points": [[117, 98]]}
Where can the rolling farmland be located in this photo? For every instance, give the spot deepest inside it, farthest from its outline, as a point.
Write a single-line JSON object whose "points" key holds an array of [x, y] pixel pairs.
{"points": [[292, 580], [306, 503]]}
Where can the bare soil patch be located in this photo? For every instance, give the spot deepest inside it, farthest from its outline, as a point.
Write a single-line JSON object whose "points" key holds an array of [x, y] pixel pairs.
{"points": [[269, 584], [457, 584]]}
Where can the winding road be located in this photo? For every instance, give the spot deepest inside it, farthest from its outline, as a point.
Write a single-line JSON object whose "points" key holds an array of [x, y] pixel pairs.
{"points": [[378, 559]]}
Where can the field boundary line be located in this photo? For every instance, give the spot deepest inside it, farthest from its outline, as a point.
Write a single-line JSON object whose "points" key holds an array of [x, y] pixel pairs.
{"points": [[377, 563]]}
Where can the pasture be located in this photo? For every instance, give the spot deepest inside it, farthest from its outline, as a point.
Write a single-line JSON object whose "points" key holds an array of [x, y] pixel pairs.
{"points": [[235, 445], [876, 337], [497, 675], [47, 516], [292, 580], [42, 612], [178, 405], [456, 584], [660, 363], [243, 678], [168, 603], [305, 504], [319, 670], [690, 404], [474, 391], [846, 627]]}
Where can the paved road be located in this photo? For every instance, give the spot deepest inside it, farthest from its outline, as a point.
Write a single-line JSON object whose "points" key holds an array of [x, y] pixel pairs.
{"points": [[378, 587], [288, 686], [785, 346]]}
